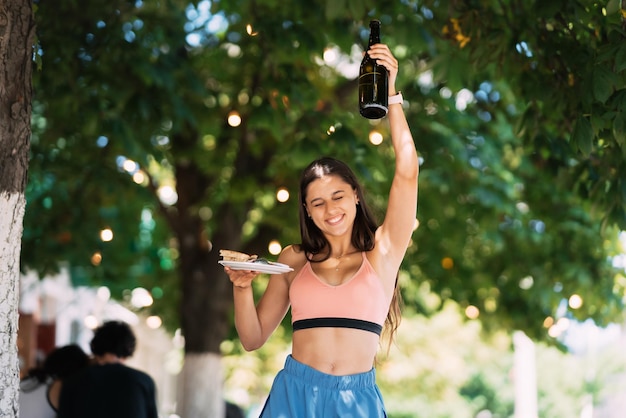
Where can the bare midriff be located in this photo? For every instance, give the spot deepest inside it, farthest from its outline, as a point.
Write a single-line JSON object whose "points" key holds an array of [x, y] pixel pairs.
{"points": [[335, 351]]}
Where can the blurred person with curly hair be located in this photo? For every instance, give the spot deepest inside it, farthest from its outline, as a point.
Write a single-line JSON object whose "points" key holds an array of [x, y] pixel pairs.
{"points": [[109, 388]]}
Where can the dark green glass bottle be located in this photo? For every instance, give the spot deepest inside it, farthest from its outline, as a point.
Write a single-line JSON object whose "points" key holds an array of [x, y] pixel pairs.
{"points": [[373, 81]]}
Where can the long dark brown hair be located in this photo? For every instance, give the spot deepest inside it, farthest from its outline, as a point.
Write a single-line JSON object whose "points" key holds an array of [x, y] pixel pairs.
{"points": [[314, 243]]}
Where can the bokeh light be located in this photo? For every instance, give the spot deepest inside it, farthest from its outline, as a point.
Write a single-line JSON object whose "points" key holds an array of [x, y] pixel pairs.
{"points": [[106, 235], [251, 31], [526, 283], [130, 166], [376, 138], [472, 312], [140, 298], [153, 322], [559, 327], [139, 177], [234, 119], [331, 56], [96, 258], [274, 247], [167, 195], [447, 263], [575, 301], [282, 195]]}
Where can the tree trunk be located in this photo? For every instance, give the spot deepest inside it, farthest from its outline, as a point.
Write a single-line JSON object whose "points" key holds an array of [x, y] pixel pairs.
{"points": [[200, 386], [206, 301], [16, 35], [205, 307]]}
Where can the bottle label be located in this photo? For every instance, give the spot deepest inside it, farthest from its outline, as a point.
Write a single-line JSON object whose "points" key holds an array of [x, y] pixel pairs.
{"points": [[373, 88], [371, 74]]}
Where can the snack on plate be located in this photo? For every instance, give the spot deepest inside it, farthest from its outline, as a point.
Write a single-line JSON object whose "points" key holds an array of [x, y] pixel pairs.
{"points": [[230, 255]]}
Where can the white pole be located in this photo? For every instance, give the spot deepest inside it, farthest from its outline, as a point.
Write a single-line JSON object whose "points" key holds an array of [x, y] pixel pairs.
{"points": [[525, 376]]}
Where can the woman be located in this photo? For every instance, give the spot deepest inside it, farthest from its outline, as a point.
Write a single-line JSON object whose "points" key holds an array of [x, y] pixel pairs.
{"points": [[39, 391], [342, 286]]}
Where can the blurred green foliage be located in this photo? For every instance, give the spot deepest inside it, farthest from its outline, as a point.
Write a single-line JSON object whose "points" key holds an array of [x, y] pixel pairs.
{"points": [[516, 109]]}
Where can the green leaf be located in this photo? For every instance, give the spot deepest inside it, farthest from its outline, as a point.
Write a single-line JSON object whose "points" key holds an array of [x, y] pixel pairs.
{"points": [[522, 121], [612, 6], [603, 83], [620, 59], [619, 130], [583, 135]]}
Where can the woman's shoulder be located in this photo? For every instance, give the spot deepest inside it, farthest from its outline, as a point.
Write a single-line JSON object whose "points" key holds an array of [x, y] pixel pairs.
{"points": [[293, 256]]}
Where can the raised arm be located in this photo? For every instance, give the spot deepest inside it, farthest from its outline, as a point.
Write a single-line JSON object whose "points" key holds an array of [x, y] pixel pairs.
{"points": [[395, 233]]}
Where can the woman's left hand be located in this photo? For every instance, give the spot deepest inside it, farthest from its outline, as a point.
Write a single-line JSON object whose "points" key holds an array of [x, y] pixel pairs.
{"points": [[383, 56]]}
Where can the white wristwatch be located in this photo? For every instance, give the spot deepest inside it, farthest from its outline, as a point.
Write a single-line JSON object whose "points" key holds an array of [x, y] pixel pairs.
{"points": [[396, 99]]}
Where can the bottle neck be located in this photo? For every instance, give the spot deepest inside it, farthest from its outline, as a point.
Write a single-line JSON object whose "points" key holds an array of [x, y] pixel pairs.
{"points": [[374, 34]]}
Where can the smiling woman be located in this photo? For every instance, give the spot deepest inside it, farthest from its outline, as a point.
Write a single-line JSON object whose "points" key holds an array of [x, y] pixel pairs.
{"points": [[342, 284]]}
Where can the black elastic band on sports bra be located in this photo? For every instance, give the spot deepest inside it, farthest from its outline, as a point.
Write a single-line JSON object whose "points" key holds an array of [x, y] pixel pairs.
{"points": [[338, 323]]}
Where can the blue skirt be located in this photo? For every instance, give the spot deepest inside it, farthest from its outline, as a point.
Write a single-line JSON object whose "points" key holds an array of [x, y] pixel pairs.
{"points": [[300, 391]]}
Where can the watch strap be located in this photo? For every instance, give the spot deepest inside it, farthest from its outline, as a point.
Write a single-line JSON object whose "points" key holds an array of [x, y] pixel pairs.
{"points": [[396, 99]]}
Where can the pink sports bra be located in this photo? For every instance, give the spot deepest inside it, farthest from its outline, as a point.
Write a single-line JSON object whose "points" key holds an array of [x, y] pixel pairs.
{"points": [[359, 303]]}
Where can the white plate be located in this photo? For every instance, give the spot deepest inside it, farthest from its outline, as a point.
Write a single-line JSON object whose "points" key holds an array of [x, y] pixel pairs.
{"points": [[272, 268]]}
